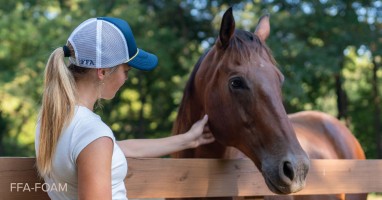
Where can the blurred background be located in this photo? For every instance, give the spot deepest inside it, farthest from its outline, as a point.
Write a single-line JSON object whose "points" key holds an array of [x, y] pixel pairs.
{"points": [[328, 50]]}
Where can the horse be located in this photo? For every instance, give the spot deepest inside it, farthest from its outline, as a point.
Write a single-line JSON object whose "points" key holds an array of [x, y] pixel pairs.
{"points": [[238, 85]]}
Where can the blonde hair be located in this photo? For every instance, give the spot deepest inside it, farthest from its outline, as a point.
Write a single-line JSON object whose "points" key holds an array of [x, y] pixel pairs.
{"points": [[58, 104]]}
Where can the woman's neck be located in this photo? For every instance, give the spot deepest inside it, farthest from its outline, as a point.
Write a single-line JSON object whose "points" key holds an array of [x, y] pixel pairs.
{"points": [[87, 94]]}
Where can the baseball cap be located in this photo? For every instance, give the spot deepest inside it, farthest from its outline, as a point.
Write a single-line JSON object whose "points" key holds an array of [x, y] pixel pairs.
{"points": [[105, 42]]}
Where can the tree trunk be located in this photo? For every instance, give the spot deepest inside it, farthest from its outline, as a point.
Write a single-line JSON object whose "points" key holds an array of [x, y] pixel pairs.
{"points": [[377, 110], [341, 100]]}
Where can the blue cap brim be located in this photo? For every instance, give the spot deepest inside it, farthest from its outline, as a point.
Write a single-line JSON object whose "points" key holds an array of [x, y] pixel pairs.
{"points": [[144, 61]]}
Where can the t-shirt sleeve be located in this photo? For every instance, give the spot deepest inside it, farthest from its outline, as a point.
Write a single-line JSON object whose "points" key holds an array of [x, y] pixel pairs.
{"points": [[86, 133]]}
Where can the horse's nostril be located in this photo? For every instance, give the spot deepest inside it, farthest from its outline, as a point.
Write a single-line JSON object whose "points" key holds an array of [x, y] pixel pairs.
{"points": [[288, 170]]}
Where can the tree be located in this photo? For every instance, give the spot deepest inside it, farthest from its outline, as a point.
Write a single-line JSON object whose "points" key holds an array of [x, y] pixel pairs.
{"points": [[329, 52]]}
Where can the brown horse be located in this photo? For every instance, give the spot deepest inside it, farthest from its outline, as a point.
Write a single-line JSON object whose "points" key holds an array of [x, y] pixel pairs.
{"points": [[238, 85]]}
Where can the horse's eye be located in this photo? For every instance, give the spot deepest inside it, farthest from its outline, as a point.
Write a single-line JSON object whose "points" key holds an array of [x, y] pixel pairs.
{"points": [[238, 83]]}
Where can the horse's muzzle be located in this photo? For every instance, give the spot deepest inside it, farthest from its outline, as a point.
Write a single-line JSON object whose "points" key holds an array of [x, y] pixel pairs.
{"points": [[289, 176]]}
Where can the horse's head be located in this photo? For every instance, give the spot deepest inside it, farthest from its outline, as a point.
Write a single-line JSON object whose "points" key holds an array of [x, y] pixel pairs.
{"points": [[238, 85]]}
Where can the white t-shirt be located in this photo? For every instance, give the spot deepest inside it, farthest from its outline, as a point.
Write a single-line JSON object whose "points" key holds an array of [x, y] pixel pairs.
{"points": [[84, 128]]}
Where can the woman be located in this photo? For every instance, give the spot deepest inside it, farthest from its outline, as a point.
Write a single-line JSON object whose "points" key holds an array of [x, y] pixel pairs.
{"points": [[74, 147]]}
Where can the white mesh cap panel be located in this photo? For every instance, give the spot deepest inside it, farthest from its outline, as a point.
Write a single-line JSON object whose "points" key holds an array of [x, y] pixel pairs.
{"points": [[84, 40], [114, 48], [98, 44]]}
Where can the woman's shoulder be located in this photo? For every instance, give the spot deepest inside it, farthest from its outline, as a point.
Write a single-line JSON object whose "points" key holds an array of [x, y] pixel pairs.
{"points": [[85, 128], [86, 122]]}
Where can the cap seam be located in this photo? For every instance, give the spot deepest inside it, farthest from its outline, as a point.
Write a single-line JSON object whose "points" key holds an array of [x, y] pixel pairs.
{"points": [[123, 38], [99, 44], [135, 55]]}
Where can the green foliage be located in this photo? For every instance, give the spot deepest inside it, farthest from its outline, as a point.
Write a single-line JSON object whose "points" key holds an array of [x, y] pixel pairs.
{"points": [[313, 41], [316, 42]]}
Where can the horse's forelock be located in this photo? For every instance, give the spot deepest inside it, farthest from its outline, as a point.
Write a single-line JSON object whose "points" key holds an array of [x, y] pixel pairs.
{"points": [[245, 43]]}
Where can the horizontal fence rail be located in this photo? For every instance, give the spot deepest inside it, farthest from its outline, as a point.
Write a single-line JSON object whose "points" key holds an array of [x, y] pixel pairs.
{"points": [[173, 178]]}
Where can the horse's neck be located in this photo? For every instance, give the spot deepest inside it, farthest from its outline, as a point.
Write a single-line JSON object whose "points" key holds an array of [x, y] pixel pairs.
{"points": [[190, 112], [213, 150]]}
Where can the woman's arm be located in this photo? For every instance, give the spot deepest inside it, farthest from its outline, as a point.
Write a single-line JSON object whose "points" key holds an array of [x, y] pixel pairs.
{"points": [[94, 170], [198, 135]]}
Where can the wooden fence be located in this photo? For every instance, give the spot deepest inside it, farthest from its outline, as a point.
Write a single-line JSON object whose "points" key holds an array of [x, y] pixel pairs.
{"points": [[161, 178]]}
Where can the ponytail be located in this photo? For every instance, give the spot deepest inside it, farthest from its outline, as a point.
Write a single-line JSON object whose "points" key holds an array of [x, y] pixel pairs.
{"points": [[58, 103]]}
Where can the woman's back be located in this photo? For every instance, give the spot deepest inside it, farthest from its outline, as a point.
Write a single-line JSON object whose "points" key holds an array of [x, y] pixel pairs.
{"points": [[84, 128]]}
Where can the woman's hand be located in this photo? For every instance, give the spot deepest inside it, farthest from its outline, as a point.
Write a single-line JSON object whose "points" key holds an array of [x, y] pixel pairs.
{"points": [[199, 133]]}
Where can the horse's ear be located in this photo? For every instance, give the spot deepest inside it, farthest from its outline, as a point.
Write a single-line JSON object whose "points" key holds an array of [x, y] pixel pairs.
{"points": [[263, 28], [227, 28]]}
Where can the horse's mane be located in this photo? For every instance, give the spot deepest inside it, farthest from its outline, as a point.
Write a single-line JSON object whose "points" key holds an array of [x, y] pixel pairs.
{"points": [[241, 47], [183, 120]]}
